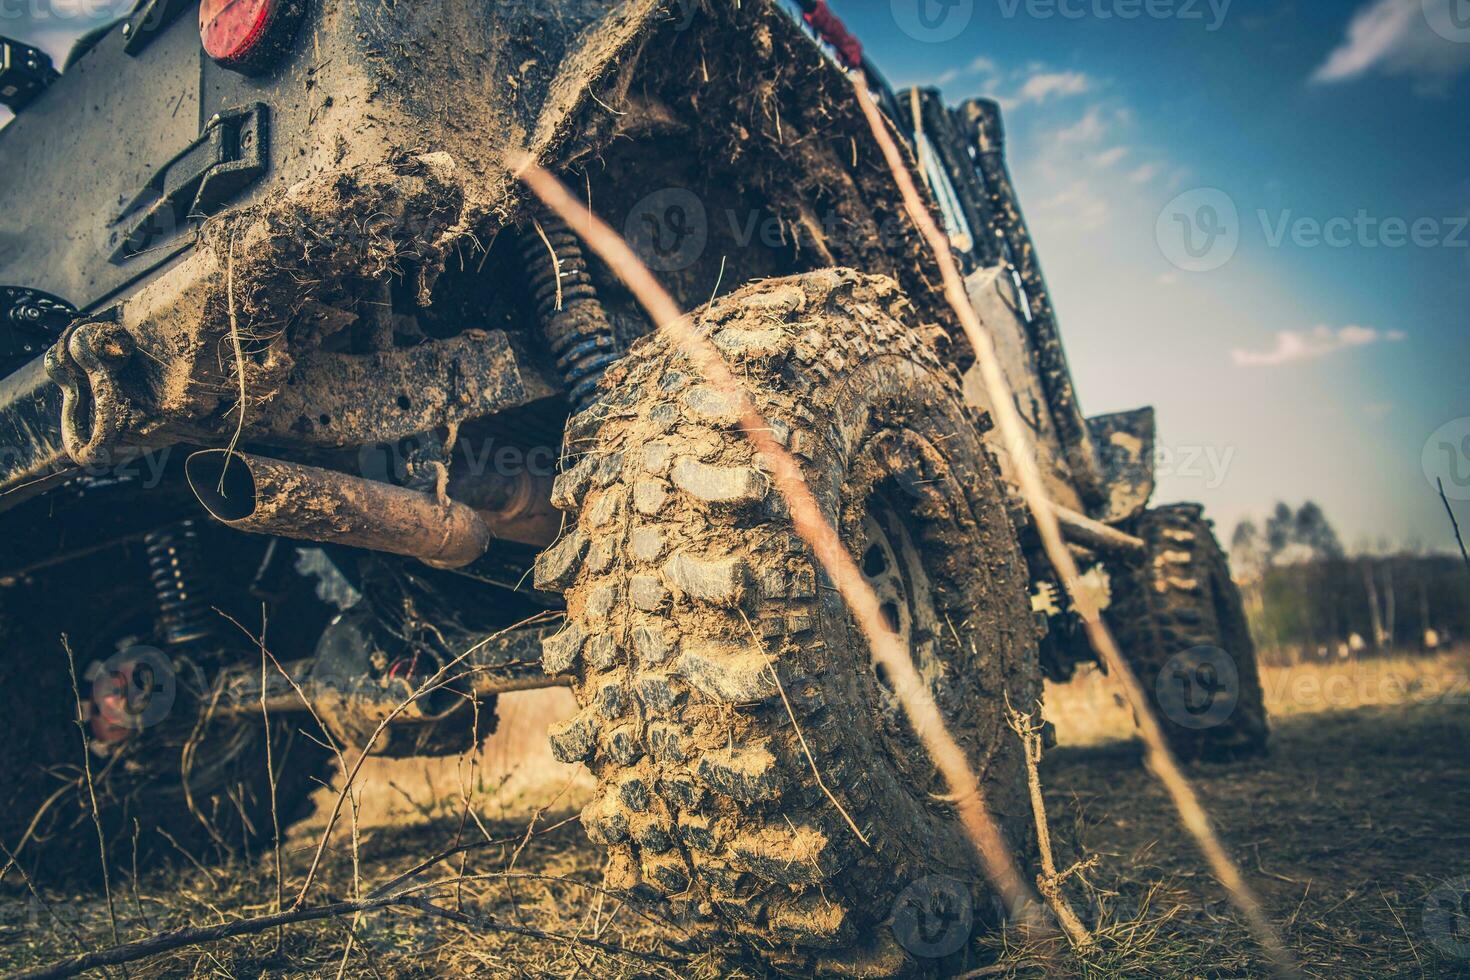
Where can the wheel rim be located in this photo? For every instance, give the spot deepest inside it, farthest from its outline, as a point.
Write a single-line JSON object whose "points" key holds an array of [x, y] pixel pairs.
{"points": [[893, 564]]}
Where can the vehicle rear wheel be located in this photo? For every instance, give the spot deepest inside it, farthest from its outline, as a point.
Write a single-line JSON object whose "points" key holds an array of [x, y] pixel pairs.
{"points": [[729, 706], [164, 781], [1181, 624]]}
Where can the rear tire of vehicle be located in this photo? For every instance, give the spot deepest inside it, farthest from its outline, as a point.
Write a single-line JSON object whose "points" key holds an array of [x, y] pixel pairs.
{"points": [[699, 625], [1180, 622], [45, 803]]}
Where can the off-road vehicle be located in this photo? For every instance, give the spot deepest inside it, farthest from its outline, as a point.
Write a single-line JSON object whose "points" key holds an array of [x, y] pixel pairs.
{"points": [[307, 407]]}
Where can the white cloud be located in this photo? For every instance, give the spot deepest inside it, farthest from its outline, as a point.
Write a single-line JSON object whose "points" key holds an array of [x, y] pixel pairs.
{"points": [[1081, 203], [1076, 169], [1145, 173], [1089, 129], [1035, 84], [979, 66], [1043, 85], [1400, 37], [1293, 346]]}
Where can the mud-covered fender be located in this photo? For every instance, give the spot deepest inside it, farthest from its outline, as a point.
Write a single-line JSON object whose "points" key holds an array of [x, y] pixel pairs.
{"points": [[1124, 444]]}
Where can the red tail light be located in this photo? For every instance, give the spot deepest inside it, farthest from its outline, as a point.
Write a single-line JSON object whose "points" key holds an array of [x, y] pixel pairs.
{"points": [[246, 35]]}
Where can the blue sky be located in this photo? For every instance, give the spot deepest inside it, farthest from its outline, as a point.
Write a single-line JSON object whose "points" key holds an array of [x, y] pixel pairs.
{"points": [[1318, 361], [1322, 356]]}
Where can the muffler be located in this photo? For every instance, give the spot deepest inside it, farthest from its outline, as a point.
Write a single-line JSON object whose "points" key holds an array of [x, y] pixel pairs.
{"points": [[289, 500]]}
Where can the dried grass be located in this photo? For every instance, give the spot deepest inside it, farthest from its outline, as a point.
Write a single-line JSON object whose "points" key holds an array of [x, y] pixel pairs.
{"points": [[1087, 710], [1357, 815]]}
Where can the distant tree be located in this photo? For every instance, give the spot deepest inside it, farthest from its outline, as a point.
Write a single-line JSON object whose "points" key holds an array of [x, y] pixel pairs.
{"points": [[1247, 550], [1376, 614], [1250, 562], [1278, 532], [1311, 529]]}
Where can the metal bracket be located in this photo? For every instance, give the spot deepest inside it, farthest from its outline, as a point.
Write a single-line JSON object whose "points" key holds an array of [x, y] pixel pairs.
{"points": [[227, 157], [30, 321], [25, 72], [93, 407]]}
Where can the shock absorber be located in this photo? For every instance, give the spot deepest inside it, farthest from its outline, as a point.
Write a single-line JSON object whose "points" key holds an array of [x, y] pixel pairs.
{"points": [[175, 567], [572, 317]]}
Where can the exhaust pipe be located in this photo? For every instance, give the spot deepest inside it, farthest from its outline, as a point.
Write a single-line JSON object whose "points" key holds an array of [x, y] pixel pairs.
{"points": [[268, 496]]}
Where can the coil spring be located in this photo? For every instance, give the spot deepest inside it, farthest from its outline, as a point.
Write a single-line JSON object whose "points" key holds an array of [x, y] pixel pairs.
{"points": [[175, 567], [580, 336]]}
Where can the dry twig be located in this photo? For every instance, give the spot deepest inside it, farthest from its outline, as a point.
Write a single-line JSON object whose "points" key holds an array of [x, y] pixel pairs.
{"points": [[239, 347], [81, 719], [1454, 524], [437, 680], [167, 942], [800, 736], [814, 530], [270, 773], [1012, 431], [1049, 882]]}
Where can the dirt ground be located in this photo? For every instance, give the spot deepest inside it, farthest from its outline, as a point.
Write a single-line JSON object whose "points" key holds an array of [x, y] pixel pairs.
{"points": [[1360, 813]]}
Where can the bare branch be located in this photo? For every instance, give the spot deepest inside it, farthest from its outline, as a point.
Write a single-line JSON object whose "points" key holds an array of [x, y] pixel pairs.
{"points": [[182, 938], [812, 526], [1018, 444], [1454, 524]]}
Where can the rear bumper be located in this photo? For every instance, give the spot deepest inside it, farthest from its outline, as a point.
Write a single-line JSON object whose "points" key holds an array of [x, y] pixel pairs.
{"points": [[266, 276], [32, 456]]}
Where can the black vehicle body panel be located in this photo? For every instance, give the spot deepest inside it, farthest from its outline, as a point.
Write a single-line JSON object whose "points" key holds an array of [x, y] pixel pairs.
{"points": [[363, 80]]}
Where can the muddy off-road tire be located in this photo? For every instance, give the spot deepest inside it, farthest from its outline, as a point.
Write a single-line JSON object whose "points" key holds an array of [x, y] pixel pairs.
{"points": [[1180, 622], [689, 596], [45, 808]]}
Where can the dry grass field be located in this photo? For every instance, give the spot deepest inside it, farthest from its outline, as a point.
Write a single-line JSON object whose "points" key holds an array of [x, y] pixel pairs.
{"points": [[1360, 812]]}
